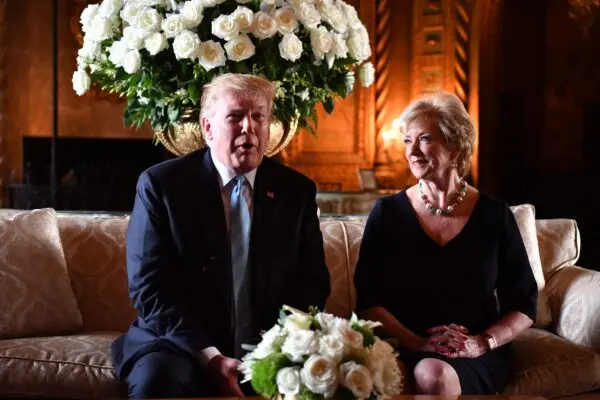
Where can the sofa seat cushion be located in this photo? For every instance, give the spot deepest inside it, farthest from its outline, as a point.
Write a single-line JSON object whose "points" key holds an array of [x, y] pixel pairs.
{"points": [[550, 366], [66, 367]]}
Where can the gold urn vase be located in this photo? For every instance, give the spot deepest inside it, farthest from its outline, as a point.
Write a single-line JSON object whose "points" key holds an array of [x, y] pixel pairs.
{"points": [[186, 136]]}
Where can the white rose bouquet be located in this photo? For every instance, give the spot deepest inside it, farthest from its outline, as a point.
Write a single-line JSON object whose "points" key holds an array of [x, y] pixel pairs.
{"points": [[159, 53], [309, 356]]}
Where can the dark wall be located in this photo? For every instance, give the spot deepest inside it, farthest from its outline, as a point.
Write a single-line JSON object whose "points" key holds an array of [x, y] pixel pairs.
{"points": [[547, 104]]}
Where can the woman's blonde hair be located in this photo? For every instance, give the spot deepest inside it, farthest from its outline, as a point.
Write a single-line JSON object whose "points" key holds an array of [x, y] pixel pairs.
{"points": [[452, 119], [250, 86]]}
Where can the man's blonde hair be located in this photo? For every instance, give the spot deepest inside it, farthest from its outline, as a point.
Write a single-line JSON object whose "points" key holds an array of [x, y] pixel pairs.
{"points": [[452, 119], [250, 86]]}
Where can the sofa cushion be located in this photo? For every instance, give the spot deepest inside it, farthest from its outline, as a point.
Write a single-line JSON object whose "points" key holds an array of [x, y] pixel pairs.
{"points": [[525, 216], [64, 367], [95, 253], [560, 244], [547, 365], [36, 296]]}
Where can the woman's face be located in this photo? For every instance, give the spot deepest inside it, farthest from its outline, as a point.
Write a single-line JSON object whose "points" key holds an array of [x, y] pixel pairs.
{"points": [[427, 152]]}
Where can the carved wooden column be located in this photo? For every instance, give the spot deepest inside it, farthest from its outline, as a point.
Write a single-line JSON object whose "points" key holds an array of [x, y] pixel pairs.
{"points": [[3, 81]]}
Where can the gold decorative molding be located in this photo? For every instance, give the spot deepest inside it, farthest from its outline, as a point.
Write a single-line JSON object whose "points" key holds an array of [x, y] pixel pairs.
{"points": [[3, 82], [461, 50], [382, 61]]}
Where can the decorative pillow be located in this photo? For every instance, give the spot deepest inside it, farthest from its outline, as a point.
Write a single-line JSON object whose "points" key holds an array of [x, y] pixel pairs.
{"points": [[525, 216], [36, 297], [560, 244]]}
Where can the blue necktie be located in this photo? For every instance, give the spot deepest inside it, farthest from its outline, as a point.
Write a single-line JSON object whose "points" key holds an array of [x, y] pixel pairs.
{"points": [[240, 246]]}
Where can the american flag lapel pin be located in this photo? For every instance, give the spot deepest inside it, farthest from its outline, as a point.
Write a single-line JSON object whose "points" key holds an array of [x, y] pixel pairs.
{"points": [[270, 195]]}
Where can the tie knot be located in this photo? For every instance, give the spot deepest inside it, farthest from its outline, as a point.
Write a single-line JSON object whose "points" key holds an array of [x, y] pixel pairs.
{"points": [[240, 180]]}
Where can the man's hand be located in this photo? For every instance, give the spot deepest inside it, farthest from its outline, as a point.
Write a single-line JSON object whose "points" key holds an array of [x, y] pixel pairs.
{"points": [[224, 373]]}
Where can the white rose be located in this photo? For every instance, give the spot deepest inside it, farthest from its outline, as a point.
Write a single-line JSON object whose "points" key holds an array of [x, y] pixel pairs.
{"points": [[210, 3], [155, 43], [100, 29], [357, 378], [300, 343], [330, 346], [290, 47], [343, 331], [133, 37], [267, 345], [90, 50], [297, 3], [288, 381], [150, 3], [148, 20], [293, 322], [225, 27], [326, 321], [81, 82], [358, 44], [350, 13], [308, 15], [192, 14], [132, 61], [173, 25], [243, 16], [366, 72], [334, 17], [264, 26], [339, 48], [116, 52], [321, 41], [211, 55], [243, 1], [130, 12], [286, 20], [186, 45], [110, 8], [87, 15], [320, 375], [239, 48]]}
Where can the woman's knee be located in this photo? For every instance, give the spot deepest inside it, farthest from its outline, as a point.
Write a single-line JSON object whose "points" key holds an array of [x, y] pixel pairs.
{"points": [[433, 376], [162, 374]]}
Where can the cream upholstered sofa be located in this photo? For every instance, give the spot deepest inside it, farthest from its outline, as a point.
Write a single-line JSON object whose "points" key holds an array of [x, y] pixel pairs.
{"points": [[63, 299]]}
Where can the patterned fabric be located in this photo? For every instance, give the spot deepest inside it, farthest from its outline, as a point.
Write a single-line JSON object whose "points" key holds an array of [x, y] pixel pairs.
{"points": [[95, 253], [549, 366], [334, 242], [525, 216], [36, 297], [560, 244], [63, 367], [574, 295]]}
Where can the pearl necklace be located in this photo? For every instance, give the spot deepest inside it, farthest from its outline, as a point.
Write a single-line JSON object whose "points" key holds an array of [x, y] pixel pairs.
{"points": [[445, 210]]}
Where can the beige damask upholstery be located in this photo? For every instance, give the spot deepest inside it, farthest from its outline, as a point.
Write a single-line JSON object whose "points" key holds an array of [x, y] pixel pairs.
{"points": [[75, 366], [79, 365], [36, 297]]}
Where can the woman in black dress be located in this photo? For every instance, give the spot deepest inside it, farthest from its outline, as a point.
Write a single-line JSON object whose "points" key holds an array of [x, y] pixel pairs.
{"points": [[443, 266]]}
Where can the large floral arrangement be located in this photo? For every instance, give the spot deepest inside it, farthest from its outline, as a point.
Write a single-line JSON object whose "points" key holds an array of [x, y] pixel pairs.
{"points": [[159, 53], [309, 356]]}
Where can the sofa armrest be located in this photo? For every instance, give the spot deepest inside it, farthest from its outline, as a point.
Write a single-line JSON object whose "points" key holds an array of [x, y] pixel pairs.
{"points": [[574, 299]]}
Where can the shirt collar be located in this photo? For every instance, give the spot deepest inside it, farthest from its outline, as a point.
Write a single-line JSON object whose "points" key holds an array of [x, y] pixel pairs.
{"points": [[226, 174]]}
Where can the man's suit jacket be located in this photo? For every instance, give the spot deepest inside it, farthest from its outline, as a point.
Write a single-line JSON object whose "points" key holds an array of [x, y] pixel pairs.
{"points": [[179, 264]]}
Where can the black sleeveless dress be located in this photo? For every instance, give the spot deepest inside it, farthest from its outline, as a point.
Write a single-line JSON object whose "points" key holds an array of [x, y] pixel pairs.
{"points": [[479, 275]]}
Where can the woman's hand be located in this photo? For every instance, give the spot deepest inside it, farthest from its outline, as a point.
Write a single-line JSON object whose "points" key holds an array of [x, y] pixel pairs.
{"points": [[453, 341]]}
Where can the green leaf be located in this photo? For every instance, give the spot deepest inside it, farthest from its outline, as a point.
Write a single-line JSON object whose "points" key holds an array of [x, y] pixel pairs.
{"points": [[328, 105], [194, 92], [173, 113], [368, 335]]}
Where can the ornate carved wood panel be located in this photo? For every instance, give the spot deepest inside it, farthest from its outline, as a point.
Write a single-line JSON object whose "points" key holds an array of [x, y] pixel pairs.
{"points": [[3, 51], [345, 139]]}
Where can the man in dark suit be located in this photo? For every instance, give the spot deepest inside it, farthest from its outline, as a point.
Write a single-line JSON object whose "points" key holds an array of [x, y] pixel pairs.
{"points": [[218, 241]]}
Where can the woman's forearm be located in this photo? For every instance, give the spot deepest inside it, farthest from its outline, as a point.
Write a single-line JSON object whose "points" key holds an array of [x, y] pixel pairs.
{"points": [[393, 327], [509, 327]]}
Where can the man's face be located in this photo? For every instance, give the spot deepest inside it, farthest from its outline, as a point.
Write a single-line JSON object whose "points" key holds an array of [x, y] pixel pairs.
{"points": [[237, 130]]}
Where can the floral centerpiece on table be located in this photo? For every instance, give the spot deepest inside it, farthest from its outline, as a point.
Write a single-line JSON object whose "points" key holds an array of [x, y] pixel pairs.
{"points": [[316, 356], [159, 53]]}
